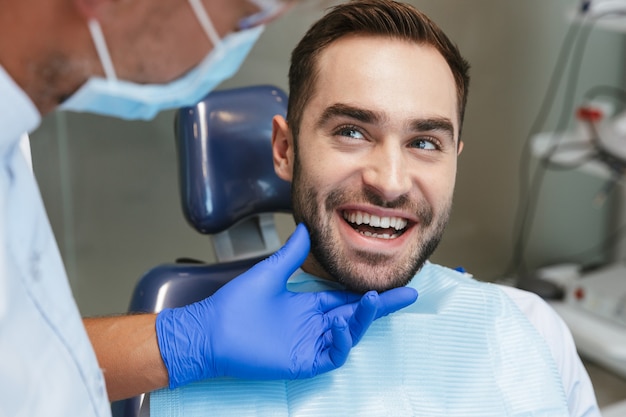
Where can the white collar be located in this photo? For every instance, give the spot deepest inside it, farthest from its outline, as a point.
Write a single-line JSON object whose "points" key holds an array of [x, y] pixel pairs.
{"points": [[18, 114]]}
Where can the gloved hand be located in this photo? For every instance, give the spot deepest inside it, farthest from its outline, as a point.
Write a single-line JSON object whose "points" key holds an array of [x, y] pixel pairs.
{"points": [[255, 328]]}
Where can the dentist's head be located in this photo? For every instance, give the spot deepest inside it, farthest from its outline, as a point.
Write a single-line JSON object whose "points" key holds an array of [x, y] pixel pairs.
{"points": [[132, 59]]}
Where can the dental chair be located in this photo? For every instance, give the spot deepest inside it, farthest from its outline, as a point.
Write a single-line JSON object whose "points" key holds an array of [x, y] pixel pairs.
{"points": [[228, 190]]}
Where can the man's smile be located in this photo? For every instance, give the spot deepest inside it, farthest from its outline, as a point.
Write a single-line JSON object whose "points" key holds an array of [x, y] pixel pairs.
{"points": [[372, 225]]}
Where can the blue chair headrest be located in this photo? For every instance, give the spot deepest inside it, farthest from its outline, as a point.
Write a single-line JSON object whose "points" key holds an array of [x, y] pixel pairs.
{"points": [[225, 157]]}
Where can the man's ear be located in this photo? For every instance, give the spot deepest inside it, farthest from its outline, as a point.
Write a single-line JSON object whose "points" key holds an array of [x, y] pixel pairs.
{"points": [[460, 149], [282, 148]]}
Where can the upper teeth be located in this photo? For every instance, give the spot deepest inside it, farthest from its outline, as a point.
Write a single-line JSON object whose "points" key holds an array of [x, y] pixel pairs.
{"points": [[359, 217]]}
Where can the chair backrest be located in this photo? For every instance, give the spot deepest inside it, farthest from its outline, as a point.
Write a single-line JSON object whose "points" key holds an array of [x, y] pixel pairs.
{"points": [[228, 189], [227, 180]]}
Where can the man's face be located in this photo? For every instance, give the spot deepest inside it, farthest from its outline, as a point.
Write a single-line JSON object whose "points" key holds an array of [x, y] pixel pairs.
{"points": [[374, 168]]}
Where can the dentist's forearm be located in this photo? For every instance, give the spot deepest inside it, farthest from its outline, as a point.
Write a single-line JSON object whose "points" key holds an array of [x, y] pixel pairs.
{"points": [[128, 353]]}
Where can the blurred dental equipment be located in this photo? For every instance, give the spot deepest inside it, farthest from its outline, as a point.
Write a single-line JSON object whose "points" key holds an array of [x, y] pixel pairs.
{"points": [[599, 7], [591, 297]]}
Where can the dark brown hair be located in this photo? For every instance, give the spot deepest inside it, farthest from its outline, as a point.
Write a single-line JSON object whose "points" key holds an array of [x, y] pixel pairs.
{"points": [[368, 17]]}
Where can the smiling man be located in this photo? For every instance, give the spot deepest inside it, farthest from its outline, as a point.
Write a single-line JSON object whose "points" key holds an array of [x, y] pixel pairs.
{"points": [[370, 144]]}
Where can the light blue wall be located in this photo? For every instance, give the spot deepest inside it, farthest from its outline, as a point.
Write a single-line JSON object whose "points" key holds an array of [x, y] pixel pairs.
{"points": [[111, 188]]}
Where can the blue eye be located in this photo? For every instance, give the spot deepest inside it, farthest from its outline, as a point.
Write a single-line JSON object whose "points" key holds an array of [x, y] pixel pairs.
{"points": [[350, 132], [429, 145]]}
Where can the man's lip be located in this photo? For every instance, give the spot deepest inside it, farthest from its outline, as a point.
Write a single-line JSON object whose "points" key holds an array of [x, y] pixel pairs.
{"points": [[411, 218]]}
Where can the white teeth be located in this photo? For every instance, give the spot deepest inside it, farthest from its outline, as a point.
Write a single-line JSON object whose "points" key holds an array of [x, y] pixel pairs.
{"points": [[374, 221], [384, 222], [376, 235], [359, 217]]}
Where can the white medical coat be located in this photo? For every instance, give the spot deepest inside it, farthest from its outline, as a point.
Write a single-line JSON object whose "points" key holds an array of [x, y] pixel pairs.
{"points": [[47, 364]]}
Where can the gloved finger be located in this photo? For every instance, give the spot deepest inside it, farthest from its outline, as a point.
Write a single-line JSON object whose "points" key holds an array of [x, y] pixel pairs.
{"points": [[342, 301], [363, 316], [395, 299], [344, 311], [337, 353], [284, 262], [371, 307]]}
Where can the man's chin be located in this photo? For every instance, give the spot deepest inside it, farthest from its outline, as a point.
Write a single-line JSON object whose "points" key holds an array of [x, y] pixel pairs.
{"points": [[361, 269], [371, 281]]}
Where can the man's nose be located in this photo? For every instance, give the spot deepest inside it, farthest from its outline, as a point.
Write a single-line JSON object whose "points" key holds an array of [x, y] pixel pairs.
{"points": [[386, 172]]}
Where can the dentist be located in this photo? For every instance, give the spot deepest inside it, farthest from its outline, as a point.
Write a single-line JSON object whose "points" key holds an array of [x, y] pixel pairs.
{"points": [[132, 59]]}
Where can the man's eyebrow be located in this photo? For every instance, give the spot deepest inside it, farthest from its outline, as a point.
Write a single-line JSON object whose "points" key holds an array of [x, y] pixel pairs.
{"points": [[435, 124], [429, 124], [344, 110], [440, 124]]}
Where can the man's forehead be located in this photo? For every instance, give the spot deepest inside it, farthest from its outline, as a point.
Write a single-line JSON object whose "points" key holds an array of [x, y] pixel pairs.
{"points": [[389, 76]]}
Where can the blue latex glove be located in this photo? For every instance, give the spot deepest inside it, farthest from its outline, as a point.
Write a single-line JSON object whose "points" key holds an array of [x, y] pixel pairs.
{"points": [[255, 328]]}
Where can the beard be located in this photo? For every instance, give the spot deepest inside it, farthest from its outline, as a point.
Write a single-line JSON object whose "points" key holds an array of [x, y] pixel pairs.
{"points": [[362, 270]]}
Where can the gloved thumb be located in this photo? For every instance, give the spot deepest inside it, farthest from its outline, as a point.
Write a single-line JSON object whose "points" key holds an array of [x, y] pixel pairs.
{"points": [[293, 253]]}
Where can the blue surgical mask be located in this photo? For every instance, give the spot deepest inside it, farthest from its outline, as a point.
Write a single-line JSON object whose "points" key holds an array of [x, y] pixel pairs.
{"points": [[128, 100]]}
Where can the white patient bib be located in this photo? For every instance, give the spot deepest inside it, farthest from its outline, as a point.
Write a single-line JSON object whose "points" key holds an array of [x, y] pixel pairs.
{"points": [[462, 349]]}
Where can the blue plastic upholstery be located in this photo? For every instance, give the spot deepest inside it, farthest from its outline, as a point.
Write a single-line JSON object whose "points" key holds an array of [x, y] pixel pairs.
{"points": [[226, 168], [179, 284]]}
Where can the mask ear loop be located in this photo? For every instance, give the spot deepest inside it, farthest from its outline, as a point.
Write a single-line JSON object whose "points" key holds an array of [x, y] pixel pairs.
{"points": [[101, 48], [205, 22], [267, 9]]}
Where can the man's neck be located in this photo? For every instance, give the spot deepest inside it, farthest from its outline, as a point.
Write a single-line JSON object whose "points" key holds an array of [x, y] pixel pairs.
{"points": [[313, 267]]}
